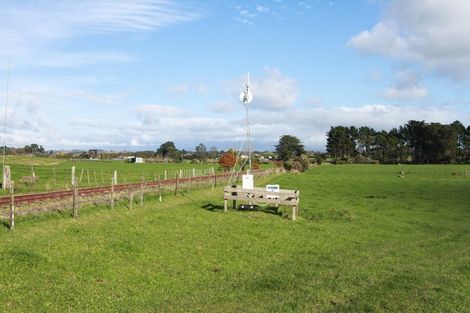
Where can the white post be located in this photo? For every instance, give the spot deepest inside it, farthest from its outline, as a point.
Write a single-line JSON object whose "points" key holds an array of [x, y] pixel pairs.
{"points": [[72, 180]]}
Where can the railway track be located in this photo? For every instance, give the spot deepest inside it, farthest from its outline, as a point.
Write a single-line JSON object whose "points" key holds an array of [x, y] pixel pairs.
{"points": [[63, 194]]}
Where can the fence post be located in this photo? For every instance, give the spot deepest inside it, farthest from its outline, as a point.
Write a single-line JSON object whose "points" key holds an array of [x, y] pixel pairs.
{"points": [[75, 200], [159, 188], [142, 191], [166, 176], [12, 205], [189, 183], [115, 177], [55, 181], [72, 180], [112, 193], [81, 175], [131, 200], [6, 177], [176, 184]]}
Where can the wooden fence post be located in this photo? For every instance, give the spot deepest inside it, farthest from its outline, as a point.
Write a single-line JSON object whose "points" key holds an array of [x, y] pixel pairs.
{"points": [[142, 191], [176, 184], [75, 200], [159, 188], [72, 180], [112, 193], [12, 205], [115, 177], [215, 179], [166, 176], [88, 176], [131, 200], [6, 183], [81, 176], [55, 181]]}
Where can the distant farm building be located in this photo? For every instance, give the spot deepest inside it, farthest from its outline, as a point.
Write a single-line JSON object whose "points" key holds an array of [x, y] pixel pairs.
{"points": [[135, 160]]}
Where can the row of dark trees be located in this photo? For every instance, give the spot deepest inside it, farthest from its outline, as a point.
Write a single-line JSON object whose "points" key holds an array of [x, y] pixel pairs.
{"points": [[28, 149], [416, 141], [168, 150]]}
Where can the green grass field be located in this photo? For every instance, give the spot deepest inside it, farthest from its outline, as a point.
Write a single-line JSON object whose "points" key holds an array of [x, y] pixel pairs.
{"points": [[54, 174], [366, 241]]}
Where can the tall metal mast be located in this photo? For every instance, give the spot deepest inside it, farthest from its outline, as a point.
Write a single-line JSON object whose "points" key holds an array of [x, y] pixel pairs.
{"points": [[246, 97]]}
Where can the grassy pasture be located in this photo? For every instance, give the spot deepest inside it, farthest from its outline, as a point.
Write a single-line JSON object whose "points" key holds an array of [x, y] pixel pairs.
{"points": [[55, 174], [366, 241]]}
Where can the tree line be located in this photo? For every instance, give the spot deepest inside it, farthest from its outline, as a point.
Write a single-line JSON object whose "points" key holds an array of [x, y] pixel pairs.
{"points": [[414, 142]]}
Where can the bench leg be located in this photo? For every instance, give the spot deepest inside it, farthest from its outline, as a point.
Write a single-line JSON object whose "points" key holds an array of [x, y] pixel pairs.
{"points": [[225, 205], [294, 213]]}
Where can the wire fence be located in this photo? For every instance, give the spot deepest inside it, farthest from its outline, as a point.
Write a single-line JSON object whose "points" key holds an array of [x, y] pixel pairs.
{"points": [[80, 195]]}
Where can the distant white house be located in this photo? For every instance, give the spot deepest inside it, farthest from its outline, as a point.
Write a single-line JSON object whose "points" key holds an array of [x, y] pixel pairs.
{"points": [[135, 160]]}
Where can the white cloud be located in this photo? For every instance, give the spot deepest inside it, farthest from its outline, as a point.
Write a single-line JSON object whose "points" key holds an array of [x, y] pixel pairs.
{"points": [[433, 34], [313, 101], [150, 125], [151, 114], [407, 93], [274, 91], [271, 91], [179, 90], [185, 88], [223, 107], [29, 28], [261, 9], [406, 87]]}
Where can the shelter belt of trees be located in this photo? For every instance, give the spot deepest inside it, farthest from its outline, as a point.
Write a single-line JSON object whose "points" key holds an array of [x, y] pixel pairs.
{"points": [[416, 141]]}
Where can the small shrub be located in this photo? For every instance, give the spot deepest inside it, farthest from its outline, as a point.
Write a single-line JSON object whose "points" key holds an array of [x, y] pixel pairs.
{"points": [[304, 162], [287, 165]]}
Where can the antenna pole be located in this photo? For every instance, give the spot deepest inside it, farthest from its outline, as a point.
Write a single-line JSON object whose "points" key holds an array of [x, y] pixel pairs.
{"points": [[248, 125], [6, 113]]}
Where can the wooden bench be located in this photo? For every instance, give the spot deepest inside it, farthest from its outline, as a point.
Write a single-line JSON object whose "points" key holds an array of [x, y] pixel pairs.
{"points": [[261, 195]]}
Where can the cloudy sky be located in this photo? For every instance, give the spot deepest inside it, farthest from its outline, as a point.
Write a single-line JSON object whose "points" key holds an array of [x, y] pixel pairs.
{"points": [[121, 74]]}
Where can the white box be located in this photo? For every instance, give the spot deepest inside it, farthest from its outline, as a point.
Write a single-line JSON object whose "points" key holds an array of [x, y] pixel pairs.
{"points": [[272, 188], [247, 182]]}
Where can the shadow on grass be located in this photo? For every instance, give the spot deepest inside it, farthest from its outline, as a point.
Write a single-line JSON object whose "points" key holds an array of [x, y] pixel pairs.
{"points": [[213, 207], [265, 209], [5, 224]]}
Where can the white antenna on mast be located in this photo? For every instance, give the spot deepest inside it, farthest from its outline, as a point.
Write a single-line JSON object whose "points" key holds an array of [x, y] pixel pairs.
{"points": [[246, 97]]}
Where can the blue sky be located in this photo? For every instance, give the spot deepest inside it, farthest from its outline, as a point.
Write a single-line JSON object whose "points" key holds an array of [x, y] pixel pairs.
{"points": [[130, 75]]}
